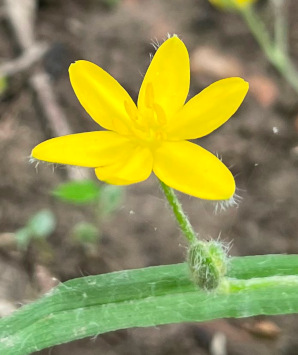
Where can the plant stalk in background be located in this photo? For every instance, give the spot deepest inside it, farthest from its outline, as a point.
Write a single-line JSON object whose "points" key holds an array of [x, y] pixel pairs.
{"points": [[274, 47]]}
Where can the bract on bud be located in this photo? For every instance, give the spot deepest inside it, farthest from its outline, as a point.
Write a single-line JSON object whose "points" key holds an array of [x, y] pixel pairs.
{"points": [[207, 263]]}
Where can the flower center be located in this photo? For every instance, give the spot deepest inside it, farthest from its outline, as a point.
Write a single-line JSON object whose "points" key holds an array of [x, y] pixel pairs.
{"points": [[148, 124]]}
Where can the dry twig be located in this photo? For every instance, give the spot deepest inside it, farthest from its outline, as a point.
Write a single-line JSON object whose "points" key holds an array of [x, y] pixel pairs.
{"points": [[21, 15], [24, 62]]}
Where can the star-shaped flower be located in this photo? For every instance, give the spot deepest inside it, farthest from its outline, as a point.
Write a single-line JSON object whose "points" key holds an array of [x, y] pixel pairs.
{"points": [[152, 135]]}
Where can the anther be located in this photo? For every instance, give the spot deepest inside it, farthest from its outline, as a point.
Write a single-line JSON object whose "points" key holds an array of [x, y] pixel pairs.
{"points": [[149, 95], [131, 110], [160, 114]]}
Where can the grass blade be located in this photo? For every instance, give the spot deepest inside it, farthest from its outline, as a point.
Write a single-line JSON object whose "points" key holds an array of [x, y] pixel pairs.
{"points": [[94, 305]]}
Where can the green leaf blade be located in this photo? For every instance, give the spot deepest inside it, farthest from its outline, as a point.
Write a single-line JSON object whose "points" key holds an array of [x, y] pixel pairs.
{"points": [[145, 297], [42, 224], [77, 192]]}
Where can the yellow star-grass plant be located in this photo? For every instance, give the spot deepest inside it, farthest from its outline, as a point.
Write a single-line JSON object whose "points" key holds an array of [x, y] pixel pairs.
{"points": [[152, 135], [137, 141]]}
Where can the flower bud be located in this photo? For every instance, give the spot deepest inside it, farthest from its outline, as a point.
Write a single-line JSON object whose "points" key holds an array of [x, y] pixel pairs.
{"points": [[207, 263]]}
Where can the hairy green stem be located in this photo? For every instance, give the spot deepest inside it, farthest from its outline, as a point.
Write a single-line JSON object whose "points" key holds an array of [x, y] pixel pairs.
{"points": [[207, 261], [179, 214]]}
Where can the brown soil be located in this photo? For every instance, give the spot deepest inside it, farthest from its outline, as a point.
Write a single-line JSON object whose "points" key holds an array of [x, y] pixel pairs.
{"points": [[259, 144]]}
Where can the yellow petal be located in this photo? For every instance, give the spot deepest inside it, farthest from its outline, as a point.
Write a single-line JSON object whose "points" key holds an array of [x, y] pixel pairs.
{"points": [[208, 110], [166, 82], [101, 96], [91, 149], [135, 166], [193, 170]]}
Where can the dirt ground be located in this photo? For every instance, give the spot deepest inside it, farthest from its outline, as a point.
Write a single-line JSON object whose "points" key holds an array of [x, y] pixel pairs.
{"points": [[259, 144]]}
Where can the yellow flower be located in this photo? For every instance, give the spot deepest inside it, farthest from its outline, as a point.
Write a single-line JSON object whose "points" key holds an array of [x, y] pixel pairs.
{"points": [[231, 4], [151, 136]]}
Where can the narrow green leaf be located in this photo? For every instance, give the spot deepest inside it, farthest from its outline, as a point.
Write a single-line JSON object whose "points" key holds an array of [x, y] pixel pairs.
{"points": [[110, 199], [85, 232], [78, 192], [3, 85], [23, 237], [42, 224], [146, 297]]}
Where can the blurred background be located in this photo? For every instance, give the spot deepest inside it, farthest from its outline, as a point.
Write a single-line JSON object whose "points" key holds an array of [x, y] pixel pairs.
{"points": [[55, 225]]}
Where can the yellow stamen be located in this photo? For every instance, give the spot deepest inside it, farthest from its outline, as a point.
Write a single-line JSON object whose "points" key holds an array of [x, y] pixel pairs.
{"points": [[149, 95], [131, 110], [159, 114]]}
